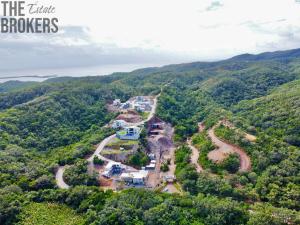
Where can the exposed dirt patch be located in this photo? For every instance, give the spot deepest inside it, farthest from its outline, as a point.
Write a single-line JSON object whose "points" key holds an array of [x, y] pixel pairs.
{"points": [[218, 155], [130, 117], [105, 182], [165, 142], [250, 137]]}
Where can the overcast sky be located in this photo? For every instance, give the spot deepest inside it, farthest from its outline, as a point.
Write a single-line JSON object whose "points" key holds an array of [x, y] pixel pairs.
{"points": [[112, 33]]}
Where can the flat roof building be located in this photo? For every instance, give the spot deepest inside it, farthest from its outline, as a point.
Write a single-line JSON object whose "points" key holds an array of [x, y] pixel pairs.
{"points": [[140, 177]]}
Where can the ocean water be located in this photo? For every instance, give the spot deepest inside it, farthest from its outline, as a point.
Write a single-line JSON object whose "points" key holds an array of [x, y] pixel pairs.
{"points": [[41, 75]]}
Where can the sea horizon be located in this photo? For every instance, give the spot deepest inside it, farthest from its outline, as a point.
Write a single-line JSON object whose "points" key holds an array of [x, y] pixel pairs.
{"points": [[44, 74]]}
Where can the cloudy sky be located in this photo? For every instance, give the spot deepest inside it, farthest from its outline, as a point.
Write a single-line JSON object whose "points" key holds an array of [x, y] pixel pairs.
{"points": [[102, 36]]}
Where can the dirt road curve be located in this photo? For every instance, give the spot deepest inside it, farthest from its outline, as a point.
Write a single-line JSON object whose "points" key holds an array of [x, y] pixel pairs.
{"points": [[100, 148], [245, 163], [59, 178], [195, 156]]}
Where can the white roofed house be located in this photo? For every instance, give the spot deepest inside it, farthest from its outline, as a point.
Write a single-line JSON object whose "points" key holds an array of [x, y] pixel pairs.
{"points": [[138, 178], [129, 133], [112, 168], [119, 124], [117, 102], [126, 105]]}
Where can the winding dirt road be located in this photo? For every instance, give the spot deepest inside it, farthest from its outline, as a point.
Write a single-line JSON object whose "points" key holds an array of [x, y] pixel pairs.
{"points": [[195, 156], [224, 147]]}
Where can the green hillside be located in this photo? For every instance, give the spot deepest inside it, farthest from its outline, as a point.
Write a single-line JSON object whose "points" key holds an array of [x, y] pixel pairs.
{"points": [[60, 121], [277, 114]]}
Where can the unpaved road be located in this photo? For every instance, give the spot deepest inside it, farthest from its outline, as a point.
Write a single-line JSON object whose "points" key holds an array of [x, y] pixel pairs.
{"points": [[224, 147], [100, 148], [59, 178], [195, 156]]}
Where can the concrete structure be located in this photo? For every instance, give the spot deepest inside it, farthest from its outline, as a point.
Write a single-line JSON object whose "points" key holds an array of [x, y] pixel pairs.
{"points": [[117, 102], [169, 178], [142, 104], [137, 178], [112, 168], [143, 107], [125, 105], [119, 124], [129, 133], [151, 166]]}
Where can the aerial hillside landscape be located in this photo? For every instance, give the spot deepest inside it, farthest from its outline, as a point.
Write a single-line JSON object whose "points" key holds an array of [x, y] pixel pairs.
{"points": [[199, 143]]}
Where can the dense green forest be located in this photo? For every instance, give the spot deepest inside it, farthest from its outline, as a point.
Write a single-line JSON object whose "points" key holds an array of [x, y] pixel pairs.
{"points": [[59, 121]]}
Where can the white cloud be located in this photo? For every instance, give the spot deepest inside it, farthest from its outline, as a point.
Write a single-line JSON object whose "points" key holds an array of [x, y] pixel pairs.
{"points": [[164, 31]]}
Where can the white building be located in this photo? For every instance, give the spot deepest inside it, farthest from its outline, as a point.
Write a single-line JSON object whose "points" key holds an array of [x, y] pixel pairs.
{"points": [[119, 124], [125, 105], [111, 168], [129, 133], [151, 166], [117, 102], [138, 178]]}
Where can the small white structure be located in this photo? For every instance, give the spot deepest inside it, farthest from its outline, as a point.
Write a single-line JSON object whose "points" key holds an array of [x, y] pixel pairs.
{"points": [[117, 102], [125, 105], [169, 178], [151, 166], [139, 177], [119, 124]]}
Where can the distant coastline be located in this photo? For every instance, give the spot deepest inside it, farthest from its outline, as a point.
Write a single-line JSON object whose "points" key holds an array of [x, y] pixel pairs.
{"points": [[28, 76], [71, 72], [37, 78]]}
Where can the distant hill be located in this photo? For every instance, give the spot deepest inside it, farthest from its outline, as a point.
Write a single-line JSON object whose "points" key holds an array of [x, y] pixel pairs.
{"points": [[14, 85], [277, 113], [278, 55]]}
